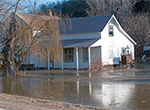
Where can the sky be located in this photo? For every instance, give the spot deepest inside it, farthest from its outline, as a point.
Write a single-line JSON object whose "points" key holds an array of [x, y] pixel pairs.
{"points": [[30, 3], [45, 1]]}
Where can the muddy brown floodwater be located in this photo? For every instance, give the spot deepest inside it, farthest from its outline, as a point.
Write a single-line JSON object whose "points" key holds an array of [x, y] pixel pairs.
{"points": [[122, 89]]}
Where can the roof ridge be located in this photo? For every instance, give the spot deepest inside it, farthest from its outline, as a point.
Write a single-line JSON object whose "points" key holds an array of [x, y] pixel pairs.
{"points": [[87, 17], [39, 15], [84, 24], [31, 14], [82, 39]]}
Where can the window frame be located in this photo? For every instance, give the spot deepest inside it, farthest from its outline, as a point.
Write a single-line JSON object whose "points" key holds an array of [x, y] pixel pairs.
{"points": [[66, 54], [123, 51], [126, 50], [111, 30], [85, 54]]}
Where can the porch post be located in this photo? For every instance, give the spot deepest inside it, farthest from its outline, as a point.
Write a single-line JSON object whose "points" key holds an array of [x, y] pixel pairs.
{"points": [[77, 59], [89, 57], [48, 60], [78, 86], [62, 60], [90, 88]]}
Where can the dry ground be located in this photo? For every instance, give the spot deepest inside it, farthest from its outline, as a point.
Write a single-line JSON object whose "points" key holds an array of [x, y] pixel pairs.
{"points": [[13, 102]]}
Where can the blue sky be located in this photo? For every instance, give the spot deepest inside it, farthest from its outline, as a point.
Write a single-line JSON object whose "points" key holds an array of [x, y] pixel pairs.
{"points": [[45, 1], [30, 3]]}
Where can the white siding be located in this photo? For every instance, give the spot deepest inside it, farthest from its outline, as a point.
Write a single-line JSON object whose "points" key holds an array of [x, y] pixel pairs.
{"points": [[97, 44], [116, 42], [38, 61], [81, 36]]}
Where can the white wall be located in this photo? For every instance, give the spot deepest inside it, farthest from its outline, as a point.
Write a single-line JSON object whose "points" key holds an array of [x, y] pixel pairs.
{"points": [[114, 43], [81, 36], [39, 62]]}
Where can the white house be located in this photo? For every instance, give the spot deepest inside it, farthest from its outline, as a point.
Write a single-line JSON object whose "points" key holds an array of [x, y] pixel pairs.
{"points": [[85, 38]]}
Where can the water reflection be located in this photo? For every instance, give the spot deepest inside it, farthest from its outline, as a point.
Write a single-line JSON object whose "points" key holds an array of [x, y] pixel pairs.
{"points": [[143, 64], [83, 88], [116, 94], [12, 85]]}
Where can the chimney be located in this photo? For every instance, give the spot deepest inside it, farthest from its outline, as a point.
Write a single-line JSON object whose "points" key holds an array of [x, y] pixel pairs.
{"points": [[34, 7], [50, 12]]}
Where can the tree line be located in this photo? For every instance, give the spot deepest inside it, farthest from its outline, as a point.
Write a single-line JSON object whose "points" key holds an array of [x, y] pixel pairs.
{"points": [[133, 15]]}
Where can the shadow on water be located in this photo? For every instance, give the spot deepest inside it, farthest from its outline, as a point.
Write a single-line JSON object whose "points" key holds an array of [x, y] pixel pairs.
{"points": [[122, 90]]}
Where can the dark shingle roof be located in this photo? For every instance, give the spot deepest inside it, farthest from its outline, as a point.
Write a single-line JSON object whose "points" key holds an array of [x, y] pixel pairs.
{"points": [[84, 24], [78, 43]]}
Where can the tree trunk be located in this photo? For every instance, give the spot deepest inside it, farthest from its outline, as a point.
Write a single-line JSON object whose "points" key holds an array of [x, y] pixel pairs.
{"points": [[10, 68]]}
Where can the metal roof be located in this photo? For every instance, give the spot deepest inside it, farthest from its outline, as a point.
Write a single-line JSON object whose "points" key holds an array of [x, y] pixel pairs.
{"points": [[83, 24], [72, 43]]}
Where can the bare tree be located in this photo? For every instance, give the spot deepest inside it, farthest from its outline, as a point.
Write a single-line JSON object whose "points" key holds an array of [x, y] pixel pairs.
{"points": [[138, 26], [103, 7], [39, 35]]}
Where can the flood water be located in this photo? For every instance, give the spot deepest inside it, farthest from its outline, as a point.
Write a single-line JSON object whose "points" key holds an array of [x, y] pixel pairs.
{"points": [[117, 89]]}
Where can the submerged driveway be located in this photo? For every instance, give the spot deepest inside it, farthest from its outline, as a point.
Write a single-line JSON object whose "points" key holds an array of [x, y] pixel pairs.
{"points": [[126, 89]]}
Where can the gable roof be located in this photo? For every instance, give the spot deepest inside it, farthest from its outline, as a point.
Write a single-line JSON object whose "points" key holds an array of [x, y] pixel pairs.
{"points": [[126, 34], [34, 20], [68, 26], [83, 24], [72, 26]]}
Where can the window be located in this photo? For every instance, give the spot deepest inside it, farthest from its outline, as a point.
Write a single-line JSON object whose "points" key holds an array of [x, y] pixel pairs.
{"points": [[111, 30], [68, 54], [125, 50], [85, 54]]}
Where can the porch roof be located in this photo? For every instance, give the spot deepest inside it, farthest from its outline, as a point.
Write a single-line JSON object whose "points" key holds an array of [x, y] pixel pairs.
{"points": [[72, 43]]}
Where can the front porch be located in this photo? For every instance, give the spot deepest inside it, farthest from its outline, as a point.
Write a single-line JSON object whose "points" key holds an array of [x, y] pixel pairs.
{"points": [[78, 58], [75, 54]]}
